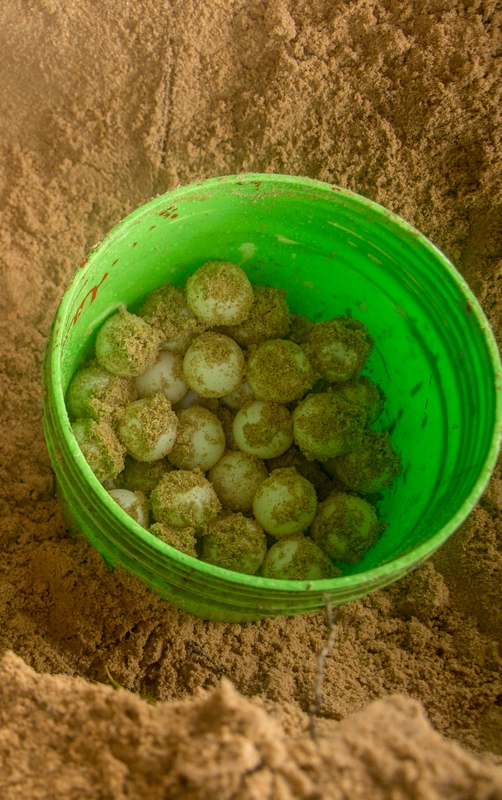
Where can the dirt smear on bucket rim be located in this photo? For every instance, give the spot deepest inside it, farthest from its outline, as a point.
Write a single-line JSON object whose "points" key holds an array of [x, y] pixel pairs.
{"points": [[103, 108]]}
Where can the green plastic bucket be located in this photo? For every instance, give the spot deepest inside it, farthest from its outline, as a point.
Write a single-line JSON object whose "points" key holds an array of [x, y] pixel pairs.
{"points": [[335, 253]]}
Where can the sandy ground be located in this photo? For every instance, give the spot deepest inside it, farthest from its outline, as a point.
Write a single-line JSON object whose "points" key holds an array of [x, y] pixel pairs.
{"points": [[101, 107]]}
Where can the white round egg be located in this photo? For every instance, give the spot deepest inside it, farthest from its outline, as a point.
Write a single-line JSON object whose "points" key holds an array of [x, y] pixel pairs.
{"points": [[338, 348], [298, 558], [94, 392], [219, 293], [166, 309], [263, 429], [235, 542], [166, 376], [236, 478], [100, 447], [326, 426], [213, 365], [285, 503], [200, 441], [345, 527], [126, 345], [184, 498], [279, 371], [133, 503], [148, 428]]}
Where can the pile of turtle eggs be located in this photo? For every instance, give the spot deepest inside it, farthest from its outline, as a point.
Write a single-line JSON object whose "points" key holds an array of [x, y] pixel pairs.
{"points": [[241, 429]]}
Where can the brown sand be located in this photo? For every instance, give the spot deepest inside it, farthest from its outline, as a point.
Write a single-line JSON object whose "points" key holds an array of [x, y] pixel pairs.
{"points": [[105, 744], [103, 105]]}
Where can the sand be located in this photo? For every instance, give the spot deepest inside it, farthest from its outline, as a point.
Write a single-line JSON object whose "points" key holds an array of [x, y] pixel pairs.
{"points": [[102, 106]]}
